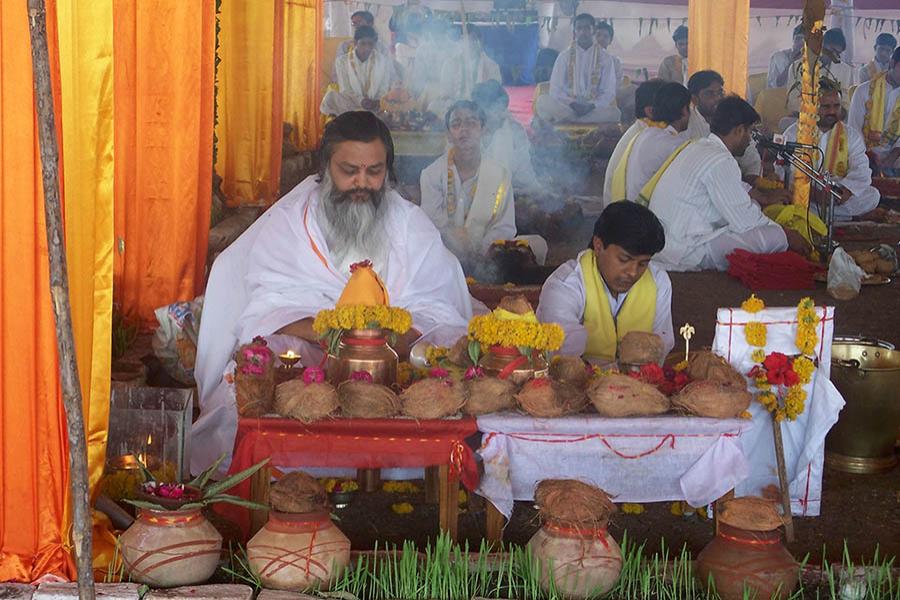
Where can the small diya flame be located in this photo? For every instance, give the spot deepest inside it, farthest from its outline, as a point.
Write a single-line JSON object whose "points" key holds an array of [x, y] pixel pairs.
{"points": [[289, 358]]}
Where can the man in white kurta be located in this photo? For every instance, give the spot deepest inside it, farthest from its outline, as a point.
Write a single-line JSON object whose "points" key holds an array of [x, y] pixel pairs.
{"points": [[703, 204], [674, 67], [885, 44], [294, 261], [782, 60], [461, 73], [833, 46], [879, 137], [363, 77], [626, 236], [850, 166], [583, 82]]}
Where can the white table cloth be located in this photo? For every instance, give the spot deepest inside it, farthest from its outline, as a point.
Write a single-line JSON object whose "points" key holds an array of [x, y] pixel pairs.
{"points": [[634, 460]]}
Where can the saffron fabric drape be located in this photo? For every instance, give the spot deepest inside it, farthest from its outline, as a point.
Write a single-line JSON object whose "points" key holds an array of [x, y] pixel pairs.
{"points": [[250, 103], [719, 34], [163, 55], [33, 449], [303, 42]]}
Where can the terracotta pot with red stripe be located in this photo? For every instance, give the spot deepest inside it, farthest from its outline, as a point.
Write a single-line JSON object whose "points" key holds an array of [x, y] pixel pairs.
{"points": [[164, 548], [508, 363]]}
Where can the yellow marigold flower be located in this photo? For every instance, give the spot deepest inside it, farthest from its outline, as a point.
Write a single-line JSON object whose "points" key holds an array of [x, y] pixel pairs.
{"points": [[404, 373], [403, 508], [434, 354], [400, 487], [804, 369], [462, 497], [763, 386], [630, 508], [755, 333], [753, 304], [681, 366], [758, 355], [768, 400], [746, 415], [676, 508]]}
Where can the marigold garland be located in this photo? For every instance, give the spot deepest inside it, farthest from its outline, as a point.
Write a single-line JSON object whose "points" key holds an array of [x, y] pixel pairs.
{"points": [[362, 317], [753, 304], [488, 330], [755, 333]]}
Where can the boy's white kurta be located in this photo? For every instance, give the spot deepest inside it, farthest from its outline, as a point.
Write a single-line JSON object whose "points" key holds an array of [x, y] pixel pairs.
{"points": [[858, 178], [357, 80], [804, 439], [651, 149], [856, 116], [563, 298], [706, 211], [594, 74], [273, 276], [459, 75], [511, 148], [749, 162], [635, 128]]}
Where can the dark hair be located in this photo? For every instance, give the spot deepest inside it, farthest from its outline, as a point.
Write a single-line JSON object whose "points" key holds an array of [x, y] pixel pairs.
{"points": [[467, 105], [584, 17], [488, 93], [366, 16], [886, 39], [643, 96], [701, 80], [680, 33], [835, 37], [895, 57], [607, 26], [670, 101], [355, 126], [798, 30], [365, 32], [630, 226], [473, 31], [827, 86], [732, 112]]}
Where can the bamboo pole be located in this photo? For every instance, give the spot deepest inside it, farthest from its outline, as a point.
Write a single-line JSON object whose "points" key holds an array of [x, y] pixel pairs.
{"points": [[783, 483], [59, 294]]}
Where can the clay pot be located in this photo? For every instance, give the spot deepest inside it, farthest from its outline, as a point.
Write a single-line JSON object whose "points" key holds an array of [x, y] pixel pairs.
{"points": [[170, 548], [758, 559], [507, 363], [363, 350], [299, 551], [582, 563]]}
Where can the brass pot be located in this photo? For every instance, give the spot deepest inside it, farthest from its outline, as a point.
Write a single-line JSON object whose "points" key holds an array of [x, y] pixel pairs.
{"points": [[363, 350], [512, 365], [868, 377]]}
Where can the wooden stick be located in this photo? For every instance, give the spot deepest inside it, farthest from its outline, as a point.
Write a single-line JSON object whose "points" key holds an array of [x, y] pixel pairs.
{"points": [[783, 483], [59, 293]]}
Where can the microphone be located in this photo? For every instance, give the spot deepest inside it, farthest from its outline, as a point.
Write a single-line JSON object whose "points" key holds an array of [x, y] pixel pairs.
{"points": [[779, 143]]}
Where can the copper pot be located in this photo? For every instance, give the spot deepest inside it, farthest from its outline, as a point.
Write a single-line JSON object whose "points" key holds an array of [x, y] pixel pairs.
{"points": [[363, 350], [507, 363]]}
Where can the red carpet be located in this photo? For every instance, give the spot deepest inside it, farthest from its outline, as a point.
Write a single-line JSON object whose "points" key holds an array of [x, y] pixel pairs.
{"points": [[520, 98]]}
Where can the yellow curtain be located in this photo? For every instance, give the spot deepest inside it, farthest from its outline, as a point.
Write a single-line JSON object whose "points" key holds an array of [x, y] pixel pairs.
{"points": [[249, 131], [303, 41], [163, 63], [719, 33], [33, 449]]}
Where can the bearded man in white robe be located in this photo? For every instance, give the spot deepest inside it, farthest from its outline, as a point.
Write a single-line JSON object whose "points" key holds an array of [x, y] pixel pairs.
{"points": [[363, 76], [295, 261]]}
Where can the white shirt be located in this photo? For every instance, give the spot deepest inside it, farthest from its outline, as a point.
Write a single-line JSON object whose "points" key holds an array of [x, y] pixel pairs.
{"points": [[842, 72], [589, 63], [651, 149], [461, 73], [510, 147], [863, 75], [617, 67], [856, 116], [563, 298], [778, 64], [636, 128], [699, 197], [859, 176], [370, 79], [750, 162], [433, 183]]}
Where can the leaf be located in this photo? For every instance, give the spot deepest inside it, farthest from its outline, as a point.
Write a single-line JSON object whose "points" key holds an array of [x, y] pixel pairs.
{"points": [[202, 479], [474, 351], [144, 504], [229, 482], [236, 500]]}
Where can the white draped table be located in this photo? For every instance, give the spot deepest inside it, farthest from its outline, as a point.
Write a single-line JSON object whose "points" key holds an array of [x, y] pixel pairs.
{"points": [[634, 460]]}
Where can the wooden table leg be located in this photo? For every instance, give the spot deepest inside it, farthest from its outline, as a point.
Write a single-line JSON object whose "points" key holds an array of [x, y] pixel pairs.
{"points": [[369, 480], [494, 522], [432, 485], [717, 505], [449, 502], [259, 492]]}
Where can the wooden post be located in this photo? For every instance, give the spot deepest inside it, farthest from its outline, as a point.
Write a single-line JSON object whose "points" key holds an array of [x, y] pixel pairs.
{"points": [[783, 482], [432, 485], [59, 293], [449, 503], [259, 492], [494, 522]]}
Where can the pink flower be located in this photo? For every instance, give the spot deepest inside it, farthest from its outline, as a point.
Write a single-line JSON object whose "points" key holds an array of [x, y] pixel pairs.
{"points": [[361, 376], [252, 369], [473, 372], [313, 375], [438, 373]]}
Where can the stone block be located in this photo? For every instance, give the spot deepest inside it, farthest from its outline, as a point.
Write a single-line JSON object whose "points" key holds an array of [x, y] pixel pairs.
{"points": [[104, 591], [226, 591], [16, 591], [283, 595]]}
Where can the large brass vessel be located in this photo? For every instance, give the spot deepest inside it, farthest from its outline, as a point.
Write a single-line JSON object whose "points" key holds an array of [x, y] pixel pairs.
{"points": [[510, 364], [363, 350]]}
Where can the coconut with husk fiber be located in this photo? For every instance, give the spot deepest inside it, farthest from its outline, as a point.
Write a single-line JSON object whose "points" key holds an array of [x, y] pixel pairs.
{"points": [[432, 398], [546, 399], [712, 399], [364, 400], [254, 378], [640, 348], [617, 395], [706, 365], [577, 556], [459, 353], [571, 370], [298, 548], [485, 395], [306, 402]]}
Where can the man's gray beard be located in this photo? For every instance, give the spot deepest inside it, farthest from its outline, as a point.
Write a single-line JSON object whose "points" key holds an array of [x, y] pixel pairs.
{"points": [[352, 227]]}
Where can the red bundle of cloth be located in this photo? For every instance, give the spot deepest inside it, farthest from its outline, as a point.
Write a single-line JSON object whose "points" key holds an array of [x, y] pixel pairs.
{"points": [[778, 271]]}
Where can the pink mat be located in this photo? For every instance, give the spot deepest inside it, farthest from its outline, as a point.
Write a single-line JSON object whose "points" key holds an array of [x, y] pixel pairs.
{"points": [[520, 98]]}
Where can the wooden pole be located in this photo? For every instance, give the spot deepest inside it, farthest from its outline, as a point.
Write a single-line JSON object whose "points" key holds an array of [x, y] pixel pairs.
{"points": [[59, 294], [783, 483]]}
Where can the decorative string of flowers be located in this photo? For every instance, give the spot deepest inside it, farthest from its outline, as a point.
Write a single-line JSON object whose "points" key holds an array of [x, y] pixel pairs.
{"points": [[330, 324], [526, 336]]}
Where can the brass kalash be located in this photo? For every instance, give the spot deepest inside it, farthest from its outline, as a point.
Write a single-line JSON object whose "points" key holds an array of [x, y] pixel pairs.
{"points": [[363, 350]]}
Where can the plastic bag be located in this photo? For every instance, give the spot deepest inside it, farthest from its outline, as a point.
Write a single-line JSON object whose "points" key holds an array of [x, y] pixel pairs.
{"points": [[844, 276], [175, 340]]}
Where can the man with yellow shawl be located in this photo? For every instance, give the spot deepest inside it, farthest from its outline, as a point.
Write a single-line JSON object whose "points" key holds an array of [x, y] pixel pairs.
{"points": [[844, 156], [612, 287], [875, 113]]}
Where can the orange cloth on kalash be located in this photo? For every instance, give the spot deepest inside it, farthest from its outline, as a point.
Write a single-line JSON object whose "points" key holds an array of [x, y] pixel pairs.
{"points": [[777, 271], [364, 288]]}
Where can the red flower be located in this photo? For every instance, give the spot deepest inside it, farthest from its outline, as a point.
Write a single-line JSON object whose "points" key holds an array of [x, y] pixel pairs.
{"points": [[438, 373], [776, 361], [652, 373], [361, 376]]}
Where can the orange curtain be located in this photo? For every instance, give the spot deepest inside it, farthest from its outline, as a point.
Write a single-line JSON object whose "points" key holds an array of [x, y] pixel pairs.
{"points": [[250, 79], [163, 63], [33, 448], [719, 36], [303, 42]]}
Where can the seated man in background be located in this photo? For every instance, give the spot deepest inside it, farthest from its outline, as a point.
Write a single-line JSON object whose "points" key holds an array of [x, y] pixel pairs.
{"points": [[364, 76], [460, 74], [674, 66], [583, 82], [782, 60], [702, 203], [844, 155], [833, 46], [357, 19], [612, 287], [603, 36], [884, 48], [504, 140], [872, 111], [643, 114]]}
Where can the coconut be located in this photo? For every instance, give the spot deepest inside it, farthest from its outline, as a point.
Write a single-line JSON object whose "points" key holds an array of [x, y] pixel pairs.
{"points": [[622, 396], [364, 400], [712, 399], [305, 402], [432, 398], [297, 492], [571, 370], [640, 348], [573, 503], [750, 513], [545, 398], [486, 395], [706, 365], [517, 304], [884, 267], [459, 353]]}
